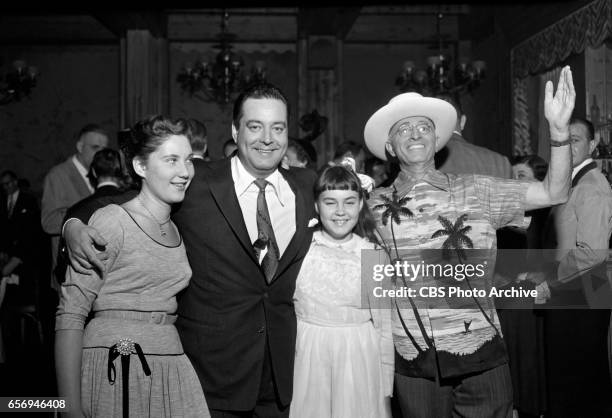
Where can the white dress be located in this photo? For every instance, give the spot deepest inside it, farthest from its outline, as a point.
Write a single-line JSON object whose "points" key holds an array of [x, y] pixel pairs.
{"points": [[339, 371]]}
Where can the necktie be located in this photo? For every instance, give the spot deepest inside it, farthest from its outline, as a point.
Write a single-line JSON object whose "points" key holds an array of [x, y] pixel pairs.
{"points": [[265, 233]]}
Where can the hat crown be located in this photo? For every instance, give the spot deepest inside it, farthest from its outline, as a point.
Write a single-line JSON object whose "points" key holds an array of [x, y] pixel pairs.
{"points": [[409, 95]]}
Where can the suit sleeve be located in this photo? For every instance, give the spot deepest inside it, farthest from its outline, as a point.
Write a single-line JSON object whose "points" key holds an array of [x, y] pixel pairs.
{"points": [[593, 213], [54, 202]]}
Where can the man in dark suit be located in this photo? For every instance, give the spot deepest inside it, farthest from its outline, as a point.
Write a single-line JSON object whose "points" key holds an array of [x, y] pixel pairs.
{"points": [[21, 232], [20, 245], [245, 239]]}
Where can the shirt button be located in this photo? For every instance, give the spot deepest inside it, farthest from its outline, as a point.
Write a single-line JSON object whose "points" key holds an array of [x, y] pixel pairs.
{"points": [[261, 330], [265, 295]]}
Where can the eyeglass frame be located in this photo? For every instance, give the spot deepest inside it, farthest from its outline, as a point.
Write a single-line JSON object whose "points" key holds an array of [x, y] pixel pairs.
{"points": [[412, 128]]}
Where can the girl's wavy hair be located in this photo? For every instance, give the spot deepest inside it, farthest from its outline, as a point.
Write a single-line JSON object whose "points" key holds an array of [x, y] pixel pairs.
{"points": [[339, 177], [147, 135]]}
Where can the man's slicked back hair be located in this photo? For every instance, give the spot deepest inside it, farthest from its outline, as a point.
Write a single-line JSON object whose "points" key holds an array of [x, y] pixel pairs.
{"points": [[257, 91]]}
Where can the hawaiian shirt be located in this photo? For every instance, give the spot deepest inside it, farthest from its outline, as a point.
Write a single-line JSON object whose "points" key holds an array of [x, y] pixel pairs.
{"points": [[465, 340]]}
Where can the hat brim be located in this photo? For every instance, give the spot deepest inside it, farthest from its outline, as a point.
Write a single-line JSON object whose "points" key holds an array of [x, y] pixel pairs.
{"points": [[441, 113]]}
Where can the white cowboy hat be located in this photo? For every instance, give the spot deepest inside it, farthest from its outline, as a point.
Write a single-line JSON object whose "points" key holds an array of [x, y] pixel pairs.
{"points": [[442, 113]]}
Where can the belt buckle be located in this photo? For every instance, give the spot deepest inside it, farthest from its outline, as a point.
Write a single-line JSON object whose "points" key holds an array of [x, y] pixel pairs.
{"points": [[158, 317]]}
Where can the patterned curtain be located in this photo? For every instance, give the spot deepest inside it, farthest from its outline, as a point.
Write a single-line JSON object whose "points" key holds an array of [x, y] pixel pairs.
{"points": [[520, 123], [588, 26]]}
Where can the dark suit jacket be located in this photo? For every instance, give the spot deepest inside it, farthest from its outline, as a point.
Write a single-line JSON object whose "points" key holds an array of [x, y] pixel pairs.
{"points": [[228, 310], [21, 236], [22, 227], [83, 210], [461, 157]]}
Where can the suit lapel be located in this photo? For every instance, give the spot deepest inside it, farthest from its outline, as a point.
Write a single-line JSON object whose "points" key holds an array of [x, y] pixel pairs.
{"points": [[77, 179], [590, 166], [18, 206], [223, 191]]}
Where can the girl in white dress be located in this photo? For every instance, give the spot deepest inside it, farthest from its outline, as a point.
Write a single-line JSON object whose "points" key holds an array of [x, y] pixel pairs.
{"points": [[344, 359]]}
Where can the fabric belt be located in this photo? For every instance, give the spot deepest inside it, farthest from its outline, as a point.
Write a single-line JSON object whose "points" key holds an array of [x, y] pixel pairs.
{"points": [[159, 318]]}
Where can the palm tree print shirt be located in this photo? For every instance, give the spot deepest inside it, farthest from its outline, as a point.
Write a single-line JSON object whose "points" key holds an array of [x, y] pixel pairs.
{"points": [[448, 212]]}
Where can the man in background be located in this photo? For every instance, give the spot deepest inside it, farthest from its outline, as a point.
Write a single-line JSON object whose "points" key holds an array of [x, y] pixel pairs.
{"points": [[295, 156], [462, 157], [354, 150], [67, 183], [198, 139], [20, 243], [106, 175], [578, 315]]}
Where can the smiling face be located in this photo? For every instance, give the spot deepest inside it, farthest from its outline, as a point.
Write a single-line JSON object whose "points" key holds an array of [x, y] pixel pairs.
{"points": [[412, 140], [168, 170], [262, 135], [339, 213]]}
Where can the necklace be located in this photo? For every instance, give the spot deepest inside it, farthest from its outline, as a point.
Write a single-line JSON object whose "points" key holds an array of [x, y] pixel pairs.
{"points": [[160, 224]]}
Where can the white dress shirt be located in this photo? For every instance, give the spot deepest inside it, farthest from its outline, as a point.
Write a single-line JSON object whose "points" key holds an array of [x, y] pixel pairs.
{"points": [[10, 202], [279, 198]]}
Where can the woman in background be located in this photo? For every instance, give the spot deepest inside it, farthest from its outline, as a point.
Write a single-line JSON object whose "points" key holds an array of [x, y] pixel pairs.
{"points": [[523, 327]]}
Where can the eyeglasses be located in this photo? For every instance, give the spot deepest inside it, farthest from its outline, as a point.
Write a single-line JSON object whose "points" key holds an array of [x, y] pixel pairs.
{"points": [[407, 130]]}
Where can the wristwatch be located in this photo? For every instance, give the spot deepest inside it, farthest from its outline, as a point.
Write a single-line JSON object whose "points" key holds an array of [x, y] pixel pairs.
{"points": [[561, 143]]}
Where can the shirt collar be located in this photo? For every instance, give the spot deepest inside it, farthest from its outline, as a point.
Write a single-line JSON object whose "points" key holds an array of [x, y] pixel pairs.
{"points": [[403, 184], [108, 183], [579, 167], [14, 196], [243, 180], [355, 244]]}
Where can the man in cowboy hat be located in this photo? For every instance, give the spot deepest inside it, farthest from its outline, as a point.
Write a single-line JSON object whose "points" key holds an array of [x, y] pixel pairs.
{"points": [[452, 362]]}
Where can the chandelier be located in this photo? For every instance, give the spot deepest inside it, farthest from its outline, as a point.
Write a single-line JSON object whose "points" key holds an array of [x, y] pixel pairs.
{"points": [[17, 83], [437, 77], [221, 80]]}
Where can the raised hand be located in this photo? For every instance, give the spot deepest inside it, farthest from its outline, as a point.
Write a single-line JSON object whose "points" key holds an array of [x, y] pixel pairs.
{"points": [[558, 108]]}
